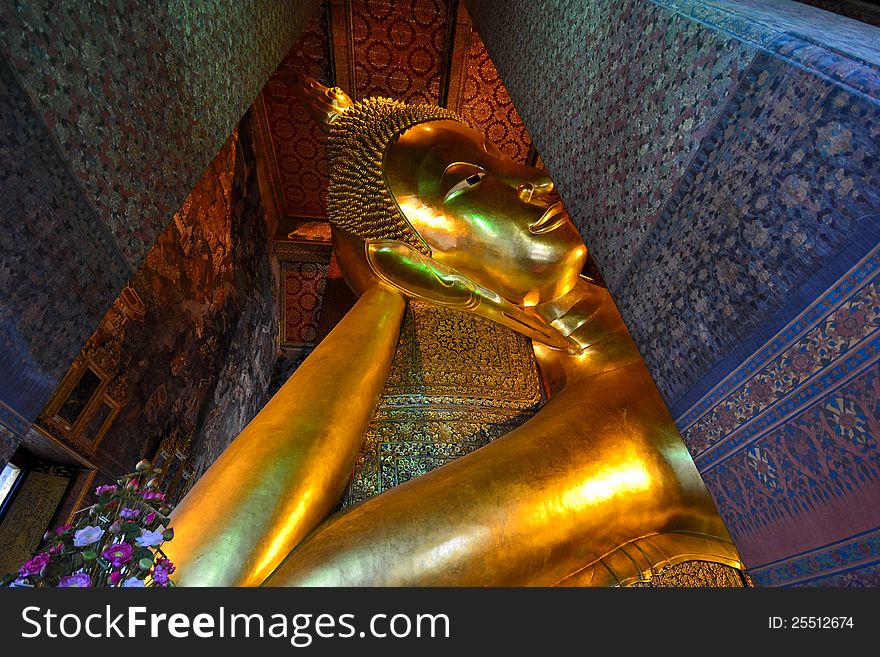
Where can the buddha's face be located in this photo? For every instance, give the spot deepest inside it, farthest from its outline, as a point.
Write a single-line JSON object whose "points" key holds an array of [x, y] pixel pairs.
{"points": [[483, 214]]}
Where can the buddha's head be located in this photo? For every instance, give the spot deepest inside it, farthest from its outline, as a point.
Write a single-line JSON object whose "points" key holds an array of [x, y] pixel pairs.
{"points": [[418, 174]]}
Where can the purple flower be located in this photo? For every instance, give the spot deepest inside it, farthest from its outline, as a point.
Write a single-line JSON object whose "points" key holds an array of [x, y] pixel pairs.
{"points": [[153, 495], [160, 575], [34, 565], [149, 539], [115, 576], [118, 554], [87, 535], [103, 490], [62, 529], [165, 563], [149, 518], [129, 514], [133, 582], [80, 580], [162, 570]]}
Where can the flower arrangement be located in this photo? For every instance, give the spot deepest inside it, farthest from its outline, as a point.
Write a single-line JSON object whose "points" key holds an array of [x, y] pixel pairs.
{"points": [[116, 541]]}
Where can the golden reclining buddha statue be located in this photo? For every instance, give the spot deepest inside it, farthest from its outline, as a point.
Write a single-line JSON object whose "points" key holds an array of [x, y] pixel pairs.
{"points": [[596, 489]]}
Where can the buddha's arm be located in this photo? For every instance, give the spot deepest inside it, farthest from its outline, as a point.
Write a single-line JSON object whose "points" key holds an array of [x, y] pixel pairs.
{"points": [[286, 471], [599, 466]]}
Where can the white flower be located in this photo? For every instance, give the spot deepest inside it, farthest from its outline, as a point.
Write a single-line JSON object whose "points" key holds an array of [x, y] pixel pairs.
{"points": [[87, 536], [149, 539], [133, 582]]}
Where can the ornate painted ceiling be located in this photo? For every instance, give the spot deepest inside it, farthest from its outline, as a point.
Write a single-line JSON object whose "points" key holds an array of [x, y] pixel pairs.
{"points": [[411, 50]]}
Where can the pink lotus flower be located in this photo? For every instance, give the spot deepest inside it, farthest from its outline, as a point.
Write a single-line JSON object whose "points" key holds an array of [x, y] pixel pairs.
{"points": [[118, 554], [62, 529], [114, 577], [153, 495], [104, 490], [80, 580], [150, 518], [34, 565]]}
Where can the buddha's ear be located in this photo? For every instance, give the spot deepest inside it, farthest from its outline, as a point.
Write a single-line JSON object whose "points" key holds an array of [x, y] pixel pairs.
{"points": [[419, 276]]}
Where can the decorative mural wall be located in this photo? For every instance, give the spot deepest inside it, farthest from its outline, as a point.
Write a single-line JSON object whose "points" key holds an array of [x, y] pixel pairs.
{"points": [[196, 354], [300, 162], [398, 55], [721, 160], [486, 106], [108, 117]]}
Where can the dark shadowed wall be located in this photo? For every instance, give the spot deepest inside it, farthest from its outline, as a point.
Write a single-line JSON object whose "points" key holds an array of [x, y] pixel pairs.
{"points": [[109, 113]]}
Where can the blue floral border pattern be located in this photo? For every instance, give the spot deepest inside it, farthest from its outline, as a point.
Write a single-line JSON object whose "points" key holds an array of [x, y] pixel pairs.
{"points": [[790, 438], [829, 342], [852, 562]]}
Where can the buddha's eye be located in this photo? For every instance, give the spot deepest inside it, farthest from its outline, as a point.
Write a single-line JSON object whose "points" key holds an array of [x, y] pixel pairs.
{"points": [[458, 177], [470, 181]]}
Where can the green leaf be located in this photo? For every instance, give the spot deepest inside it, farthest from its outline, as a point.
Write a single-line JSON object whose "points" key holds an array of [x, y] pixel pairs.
{"points": [[142, 553], [131, 529]]}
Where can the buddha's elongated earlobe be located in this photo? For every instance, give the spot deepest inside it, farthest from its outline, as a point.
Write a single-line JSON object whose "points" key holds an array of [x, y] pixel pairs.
{"points": [[421, 277]]}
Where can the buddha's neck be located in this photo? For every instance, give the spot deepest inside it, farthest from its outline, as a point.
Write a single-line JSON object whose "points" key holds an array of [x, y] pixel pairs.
{"points": [[588, 316]]}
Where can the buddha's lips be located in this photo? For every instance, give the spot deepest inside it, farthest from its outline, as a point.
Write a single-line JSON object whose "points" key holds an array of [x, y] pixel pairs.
{"points": [[553, 217]]}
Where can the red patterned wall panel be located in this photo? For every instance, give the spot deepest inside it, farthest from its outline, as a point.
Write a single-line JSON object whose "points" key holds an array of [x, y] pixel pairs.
{"points": [[487, 107], [303, 295], [297, 140], [539, 163], [398, 48]]}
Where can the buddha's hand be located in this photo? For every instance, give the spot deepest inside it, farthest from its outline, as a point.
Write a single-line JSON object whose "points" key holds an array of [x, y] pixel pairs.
{"points": [[421, 277]]}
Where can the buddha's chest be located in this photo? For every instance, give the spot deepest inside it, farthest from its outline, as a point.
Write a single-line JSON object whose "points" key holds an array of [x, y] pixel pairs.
{"points": [[457, 382]]}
